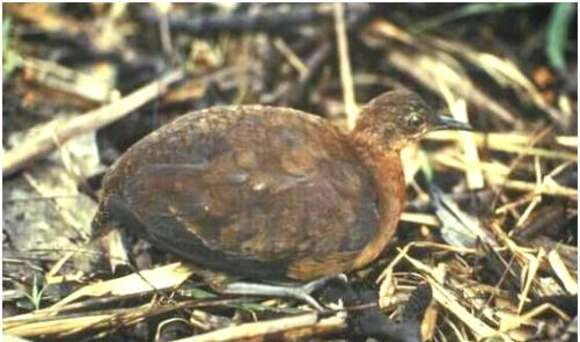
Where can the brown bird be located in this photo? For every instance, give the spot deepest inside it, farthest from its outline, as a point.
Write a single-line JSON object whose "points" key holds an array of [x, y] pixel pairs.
{"points": [[269, 193]]}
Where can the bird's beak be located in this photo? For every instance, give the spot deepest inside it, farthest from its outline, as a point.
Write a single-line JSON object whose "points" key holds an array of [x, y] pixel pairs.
{"points": [[444, 122]]}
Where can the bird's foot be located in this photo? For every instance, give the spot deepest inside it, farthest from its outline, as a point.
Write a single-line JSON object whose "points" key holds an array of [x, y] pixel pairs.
{"points": [[302, 293]]}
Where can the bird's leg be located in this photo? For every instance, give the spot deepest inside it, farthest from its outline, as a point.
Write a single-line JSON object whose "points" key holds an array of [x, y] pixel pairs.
{"points": [[299, 292]]}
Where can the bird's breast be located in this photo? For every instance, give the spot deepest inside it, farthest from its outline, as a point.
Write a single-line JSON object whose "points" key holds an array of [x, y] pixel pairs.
{"points": [[390, 180]]}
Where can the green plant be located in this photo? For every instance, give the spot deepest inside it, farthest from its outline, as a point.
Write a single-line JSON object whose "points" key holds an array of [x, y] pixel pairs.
{"points": [[36, 292], [11, 59], [557, 34]]}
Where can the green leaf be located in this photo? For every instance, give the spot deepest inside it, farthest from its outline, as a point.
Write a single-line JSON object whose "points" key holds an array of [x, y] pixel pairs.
{"points": [[197, 293], [36, 293], [425, 166], [258, 307], [557, 34], [11, 59], [6, 24]]}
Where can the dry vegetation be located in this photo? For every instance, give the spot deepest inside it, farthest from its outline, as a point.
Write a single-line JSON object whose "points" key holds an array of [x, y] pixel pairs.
{"points": [[491, 219]]}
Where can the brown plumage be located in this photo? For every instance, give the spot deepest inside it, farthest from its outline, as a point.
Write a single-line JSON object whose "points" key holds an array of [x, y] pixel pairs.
{"points": [[269, 193]]}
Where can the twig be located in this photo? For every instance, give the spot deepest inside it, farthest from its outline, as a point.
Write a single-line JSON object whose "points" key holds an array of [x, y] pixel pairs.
{"points": [[294, 94], [277, 326], [549, 187], [559, 266], [291, 57], [269, 21], [420, 218], [38, 146], [533, 266], [423, 67], [503, 71], [164, 29], [510, 138], [512, 143], [348, 95], [61, 78], [59, 326], [458, 108], [447, 299]]}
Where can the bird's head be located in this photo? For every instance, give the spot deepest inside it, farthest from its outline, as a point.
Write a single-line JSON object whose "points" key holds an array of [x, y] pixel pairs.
{"points": [[398, 118]]}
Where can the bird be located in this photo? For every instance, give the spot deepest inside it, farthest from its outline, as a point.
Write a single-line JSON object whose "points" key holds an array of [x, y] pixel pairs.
{"points": [[270, 194]]}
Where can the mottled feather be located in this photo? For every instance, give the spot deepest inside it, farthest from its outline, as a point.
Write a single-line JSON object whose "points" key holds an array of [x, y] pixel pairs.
{"points": [[254, 186]]}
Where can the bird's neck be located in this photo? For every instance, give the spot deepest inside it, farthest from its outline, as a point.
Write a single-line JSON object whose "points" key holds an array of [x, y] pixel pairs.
{"points": [[371, 149]]}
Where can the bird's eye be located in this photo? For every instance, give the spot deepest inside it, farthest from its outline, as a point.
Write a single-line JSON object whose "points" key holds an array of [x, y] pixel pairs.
{"points": [[415, 120]]}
